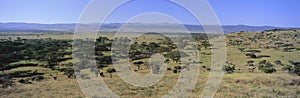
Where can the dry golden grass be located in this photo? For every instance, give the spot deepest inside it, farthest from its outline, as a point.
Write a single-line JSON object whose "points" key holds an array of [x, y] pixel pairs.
{"points": [[241, 84], [48, 88]]}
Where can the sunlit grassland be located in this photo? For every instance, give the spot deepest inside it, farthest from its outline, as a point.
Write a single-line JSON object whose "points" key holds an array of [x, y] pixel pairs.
{"points": [[242, 83]]}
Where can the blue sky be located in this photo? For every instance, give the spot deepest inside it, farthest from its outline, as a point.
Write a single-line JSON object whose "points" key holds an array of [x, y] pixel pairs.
{"points": [[284, 13]]}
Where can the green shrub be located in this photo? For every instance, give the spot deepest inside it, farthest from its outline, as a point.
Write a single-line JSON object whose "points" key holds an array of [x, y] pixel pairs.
{"points": [[287, 67], [253, 51], [286, 50], [175, 71], [261, 56], [6, 81], [251, 55], [297, 69], [25, 81], [278, 62], [111, 70], [180, 67], [267, 69], [229, 69]]}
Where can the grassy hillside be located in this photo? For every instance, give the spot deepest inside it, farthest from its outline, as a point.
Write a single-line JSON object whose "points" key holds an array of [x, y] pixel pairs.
{"points": [[259, 64]]}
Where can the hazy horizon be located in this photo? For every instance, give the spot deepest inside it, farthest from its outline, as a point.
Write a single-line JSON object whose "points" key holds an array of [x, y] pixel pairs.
{"points": [[279, 13], [154, 23]]}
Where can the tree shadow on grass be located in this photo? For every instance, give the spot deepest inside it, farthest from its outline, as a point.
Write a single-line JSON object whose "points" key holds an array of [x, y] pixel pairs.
{"points": [[22, 74]]}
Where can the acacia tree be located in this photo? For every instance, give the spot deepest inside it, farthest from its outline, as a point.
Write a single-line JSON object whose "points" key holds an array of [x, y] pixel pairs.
{"points": [[110, 71], [205, 44], [52, 60], [153, 46], [4, 60], [250, 63], [138, 64], [296, 69], [28, 54], [176, 55], [278, 44], [10, 52]]}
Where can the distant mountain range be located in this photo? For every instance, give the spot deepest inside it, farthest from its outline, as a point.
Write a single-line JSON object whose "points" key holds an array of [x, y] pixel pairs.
{"points": [[130, 27]]}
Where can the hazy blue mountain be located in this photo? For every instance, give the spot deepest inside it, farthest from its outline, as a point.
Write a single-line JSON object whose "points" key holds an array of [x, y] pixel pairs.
{"points": [[131, 27]]}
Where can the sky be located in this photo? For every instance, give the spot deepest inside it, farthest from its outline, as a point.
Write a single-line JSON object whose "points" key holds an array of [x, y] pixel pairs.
{"points": [[281, 13]]}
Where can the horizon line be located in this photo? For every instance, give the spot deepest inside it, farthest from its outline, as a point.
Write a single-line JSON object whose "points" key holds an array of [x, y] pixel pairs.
{"points": [[155, 23]]}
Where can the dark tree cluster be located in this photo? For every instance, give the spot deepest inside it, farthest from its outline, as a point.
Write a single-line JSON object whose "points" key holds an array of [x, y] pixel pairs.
{"points": [[266, 67]]}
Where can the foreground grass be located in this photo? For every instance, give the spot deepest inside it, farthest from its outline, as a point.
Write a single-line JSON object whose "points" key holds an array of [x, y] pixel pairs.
{"points": [[48, 88]]}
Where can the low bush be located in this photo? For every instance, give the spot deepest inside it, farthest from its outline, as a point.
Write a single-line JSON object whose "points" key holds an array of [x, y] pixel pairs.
{"points": [[25, 81], [261, 56], [37, 78], [251, 55], [111, 70], [267, 69], [253, 51], [278, 62], [180, 67]]}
